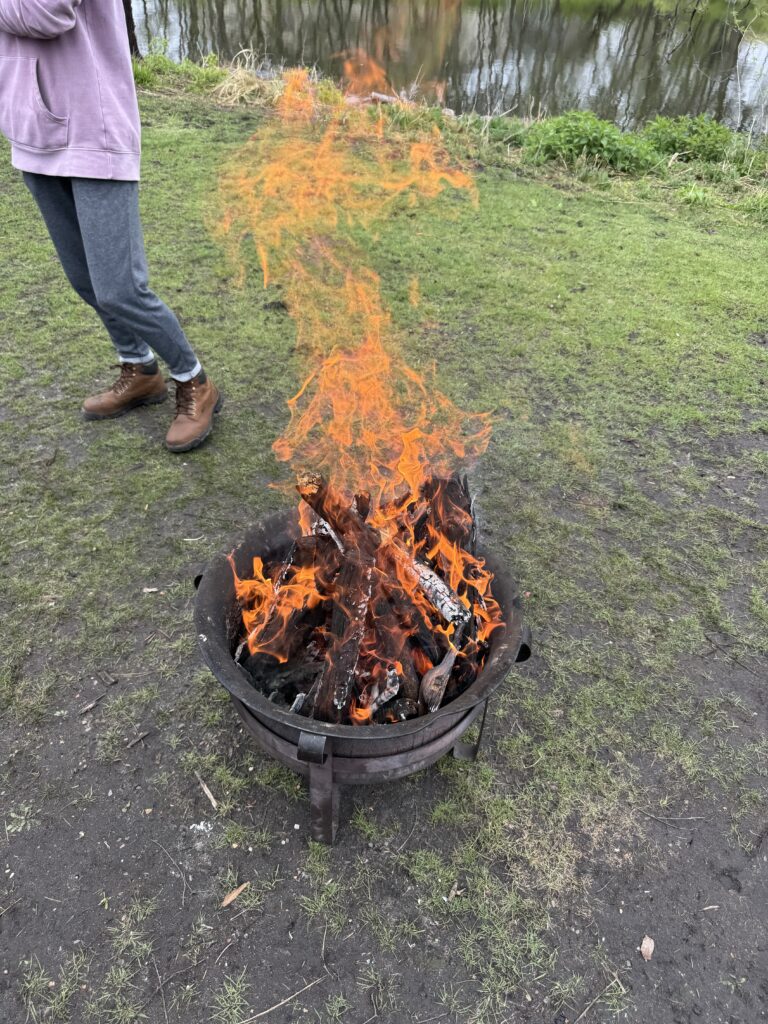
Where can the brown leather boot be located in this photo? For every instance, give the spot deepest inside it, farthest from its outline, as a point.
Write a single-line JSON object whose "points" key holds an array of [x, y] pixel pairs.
{"points": [[197, 401], [138, 384]]}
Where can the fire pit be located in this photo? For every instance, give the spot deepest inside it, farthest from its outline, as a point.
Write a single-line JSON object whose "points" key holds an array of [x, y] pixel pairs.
{"points": [[331, 754]]}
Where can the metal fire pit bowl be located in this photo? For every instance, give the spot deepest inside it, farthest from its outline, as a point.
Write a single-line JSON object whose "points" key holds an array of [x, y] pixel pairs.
{"points": [[330, 755]]}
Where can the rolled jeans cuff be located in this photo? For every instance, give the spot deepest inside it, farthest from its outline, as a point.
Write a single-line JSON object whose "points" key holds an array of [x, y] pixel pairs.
{"points": [[182, 378]]}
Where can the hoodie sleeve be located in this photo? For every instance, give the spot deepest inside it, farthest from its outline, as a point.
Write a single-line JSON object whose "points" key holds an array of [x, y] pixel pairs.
{"points": [[38, 19]]}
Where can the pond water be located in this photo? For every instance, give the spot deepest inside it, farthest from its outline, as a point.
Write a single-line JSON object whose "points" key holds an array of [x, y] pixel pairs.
{"points": [[625, 59]]}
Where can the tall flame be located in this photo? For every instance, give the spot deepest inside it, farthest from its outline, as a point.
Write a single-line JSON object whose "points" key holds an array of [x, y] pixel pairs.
{"points": [[304, 192], [303, 189]]}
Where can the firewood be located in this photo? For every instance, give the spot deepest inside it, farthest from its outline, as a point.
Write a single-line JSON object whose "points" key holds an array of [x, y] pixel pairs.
{"points": [[438, 593], [402, 709], [409, 679], [435, 681], [298, 702], [320, 528], [338, 515], [442, 509], [393, 628], [354, 584], [353, 531], [387, 690]]}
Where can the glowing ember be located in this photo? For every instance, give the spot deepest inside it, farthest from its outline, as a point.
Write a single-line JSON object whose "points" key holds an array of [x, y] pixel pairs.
{"points": [[383, 590]]}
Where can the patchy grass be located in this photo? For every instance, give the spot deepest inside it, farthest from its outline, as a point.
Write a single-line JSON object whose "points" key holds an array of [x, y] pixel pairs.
{"points": [[616, 328]]}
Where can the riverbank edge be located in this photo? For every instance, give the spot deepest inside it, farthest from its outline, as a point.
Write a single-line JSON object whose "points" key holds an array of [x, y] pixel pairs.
{"points": [[703, 161]]}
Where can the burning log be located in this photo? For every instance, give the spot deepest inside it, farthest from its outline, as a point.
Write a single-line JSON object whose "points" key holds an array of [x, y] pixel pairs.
{"points": [[439, 594], [355, 585], [391, 646], [434, 682], [338, 517], [353, 531], [403, 709], [321, 529], [387, 691]]}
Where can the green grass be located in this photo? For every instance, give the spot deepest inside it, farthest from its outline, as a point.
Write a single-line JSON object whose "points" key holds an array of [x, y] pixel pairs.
{"points": [[613, 327]]}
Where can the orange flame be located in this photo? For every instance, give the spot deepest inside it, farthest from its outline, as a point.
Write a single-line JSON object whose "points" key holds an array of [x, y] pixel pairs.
{"points": [[359, 715], [268, 608], [302, 192]]}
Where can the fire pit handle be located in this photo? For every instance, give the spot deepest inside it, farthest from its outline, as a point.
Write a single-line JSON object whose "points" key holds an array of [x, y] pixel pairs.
{"points": [[526, 640], [312, 747], [469, 751], [317, 750]]}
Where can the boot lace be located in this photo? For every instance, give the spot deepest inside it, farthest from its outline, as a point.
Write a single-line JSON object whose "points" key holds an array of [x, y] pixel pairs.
{"points": [[186, 397], [123, 382]]}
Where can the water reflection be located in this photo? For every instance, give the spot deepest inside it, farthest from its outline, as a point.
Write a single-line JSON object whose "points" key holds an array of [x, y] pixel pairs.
{"points": [[626, 59]]}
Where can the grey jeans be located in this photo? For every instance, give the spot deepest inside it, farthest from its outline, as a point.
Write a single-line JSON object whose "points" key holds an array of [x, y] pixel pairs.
{"points": [[94, 225]]}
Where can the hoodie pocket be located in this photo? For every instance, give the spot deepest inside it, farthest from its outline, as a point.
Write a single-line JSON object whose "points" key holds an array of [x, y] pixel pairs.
{"points": [[24, 117]]}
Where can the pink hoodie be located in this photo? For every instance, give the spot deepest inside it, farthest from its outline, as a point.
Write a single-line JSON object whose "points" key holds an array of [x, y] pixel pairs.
{"points": [[67, 97]]}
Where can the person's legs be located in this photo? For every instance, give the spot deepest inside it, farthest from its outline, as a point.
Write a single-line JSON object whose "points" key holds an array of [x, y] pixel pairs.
{"points": [[108, 218], [56, 202], [96, 230]]}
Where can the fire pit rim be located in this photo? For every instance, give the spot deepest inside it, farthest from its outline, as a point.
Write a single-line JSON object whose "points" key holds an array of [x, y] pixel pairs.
{"points": [[508, 644]]}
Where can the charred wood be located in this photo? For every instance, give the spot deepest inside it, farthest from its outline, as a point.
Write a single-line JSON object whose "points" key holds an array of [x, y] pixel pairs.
{"points": [[402, 709], [338, 516], [435, 681], [348, 625]]}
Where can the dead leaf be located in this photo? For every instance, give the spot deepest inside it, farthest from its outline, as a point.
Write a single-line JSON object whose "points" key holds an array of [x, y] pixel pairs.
{"points": [[646, 947], [455, 891], [232, 896]]}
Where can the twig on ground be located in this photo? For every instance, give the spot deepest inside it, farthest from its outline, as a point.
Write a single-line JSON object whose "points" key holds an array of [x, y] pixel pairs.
{"points": [[670, 821], [89, 707], [185, 883], [731, 657], [221, 954], [207, 792], [139, 738], [401, 848], [249, 1020], [161, 986], [162, 994], [614, 981]]}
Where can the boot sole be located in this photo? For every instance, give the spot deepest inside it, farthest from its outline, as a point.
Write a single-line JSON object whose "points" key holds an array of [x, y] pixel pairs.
{"points": [[136, 404], [197, 441]]}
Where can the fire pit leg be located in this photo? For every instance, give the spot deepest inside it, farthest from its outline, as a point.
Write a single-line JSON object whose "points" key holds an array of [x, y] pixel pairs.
{"points": [[323, 792], [469, 751]]}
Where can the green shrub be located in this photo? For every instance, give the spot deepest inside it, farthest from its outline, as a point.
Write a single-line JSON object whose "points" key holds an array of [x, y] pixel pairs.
{"points": [[157, 68], [690, 138], [582, 135], [509, 131]]}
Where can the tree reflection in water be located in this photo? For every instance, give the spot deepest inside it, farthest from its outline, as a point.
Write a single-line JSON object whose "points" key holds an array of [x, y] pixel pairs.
{"points": [[626, 60]]}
